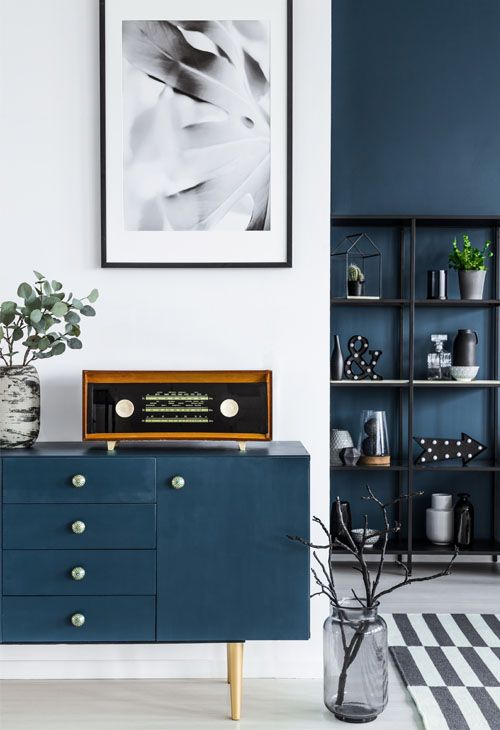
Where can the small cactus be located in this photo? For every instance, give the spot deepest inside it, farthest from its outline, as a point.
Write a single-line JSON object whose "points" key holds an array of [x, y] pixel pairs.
{"points": [[355, 274]]}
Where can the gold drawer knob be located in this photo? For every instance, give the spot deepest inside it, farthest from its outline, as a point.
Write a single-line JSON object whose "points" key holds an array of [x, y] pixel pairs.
{"points": [[178, 482], [78, 619], [78, 573], [78, 480], [78, 527]]}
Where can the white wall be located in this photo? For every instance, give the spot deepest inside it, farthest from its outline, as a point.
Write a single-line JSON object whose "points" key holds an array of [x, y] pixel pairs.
{"points": [[165, 319]]}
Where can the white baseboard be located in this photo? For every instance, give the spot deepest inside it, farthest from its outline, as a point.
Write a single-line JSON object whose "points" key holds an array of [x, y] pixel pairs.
{"points": [[285, 660], [105, 669]]}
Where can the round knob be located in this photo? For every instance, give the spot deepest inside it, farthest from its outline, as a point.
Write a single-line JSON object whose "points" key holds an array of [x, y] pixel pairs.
{"points": [[78, 480], [78, 619], [78, 573], [78, 527], [178, 482]]}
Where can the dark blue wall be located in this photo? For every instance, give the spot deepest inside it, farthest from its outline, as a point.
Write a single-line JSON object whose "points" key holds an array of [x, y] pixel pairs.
{"points": [[416, 107]]}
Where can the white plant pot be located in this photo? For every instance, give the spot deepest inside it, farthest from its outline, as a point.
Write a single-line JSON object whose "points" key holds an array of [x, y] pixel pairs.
{"points": [[471, 284], [439, 520], [19, 407]]}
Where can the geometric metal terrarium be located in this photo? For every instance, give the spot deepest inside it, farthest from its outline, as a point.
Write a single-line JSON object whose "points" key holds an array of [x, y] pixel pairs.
{"points": [[356, 268]]}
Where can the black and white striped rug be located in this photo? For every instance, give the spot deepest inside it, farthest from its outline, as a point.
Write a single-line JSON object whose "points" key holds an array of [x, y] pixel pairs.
{"points": [[451, 666]]}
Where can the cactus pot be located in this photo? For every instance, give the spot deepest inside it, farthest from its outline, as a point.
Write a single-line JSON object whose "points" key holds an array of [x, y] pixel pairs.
{"points": [[19, 406], [355, 288]]}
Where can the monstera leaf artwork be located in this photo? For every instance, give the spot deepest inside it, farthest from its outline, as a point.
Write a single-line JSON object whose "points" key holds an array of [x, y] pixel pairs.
{"points": [[196, 100]]}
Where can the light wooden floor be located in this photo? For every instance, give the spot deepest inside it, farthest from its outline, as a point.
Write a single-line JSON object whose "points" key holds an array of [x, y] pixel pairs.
{"points": [[268, 704]]}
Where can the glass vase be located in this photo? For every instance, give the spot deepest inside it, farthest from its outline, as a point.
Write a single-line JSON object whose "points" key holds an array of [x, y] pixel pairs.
{"points": [[373, 440], [355, 662]]}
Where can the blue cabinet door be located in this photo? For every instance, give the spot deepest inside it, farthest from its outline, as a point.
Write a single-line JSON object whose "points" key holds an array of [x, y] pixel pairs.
{"points": [[226, 570]]}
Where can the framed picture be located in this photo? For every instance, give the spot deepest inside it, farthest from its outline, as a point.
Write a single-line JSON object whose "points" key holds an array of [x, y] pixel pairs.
{"points": [[196, 132]]}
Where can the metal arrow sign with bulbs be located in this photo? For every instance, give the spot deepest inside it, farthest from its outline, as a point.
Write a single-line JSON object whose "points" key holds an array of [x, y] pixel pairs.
{"points": [[434, 449]]}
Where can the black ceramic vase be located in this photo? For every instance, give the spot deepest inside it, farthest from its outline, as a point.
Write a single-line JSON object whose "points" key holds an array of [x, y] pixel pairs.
{"points": [[464, 348], [336, 361], [336, 529], [464, 521]]}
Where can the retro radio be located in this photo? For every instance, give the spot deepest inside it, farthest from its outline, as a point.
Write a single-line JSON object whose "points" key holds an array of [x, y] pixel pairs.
{"points": [[147, 405]]}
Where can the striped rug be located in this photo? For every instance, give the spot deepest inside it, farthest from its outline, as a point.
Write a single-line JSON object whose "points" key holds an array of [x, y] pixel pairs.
{"points": [[450, 663]]}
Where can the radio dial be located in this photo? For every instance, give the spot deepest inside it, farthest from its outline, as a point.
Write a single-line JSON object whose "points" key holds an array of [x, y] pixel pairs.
{"points": [[229, 408], [124, 408]]}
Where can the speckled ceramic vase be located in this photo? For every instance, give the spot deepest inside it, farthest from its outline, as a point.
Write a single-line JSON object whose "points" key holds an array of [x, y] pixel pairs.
{"points": [[19, 407]]}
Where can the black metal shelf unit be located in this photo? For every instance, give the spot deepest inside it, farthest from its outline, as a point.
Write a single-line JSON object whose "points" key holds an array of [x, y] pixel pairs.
{"points": [[405, 304]]}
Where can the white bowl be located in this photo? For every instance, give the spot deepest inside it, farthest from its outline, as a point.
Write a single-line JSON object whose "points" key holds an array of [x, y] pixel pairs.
{"points": [[464, 373], [370, 540]]}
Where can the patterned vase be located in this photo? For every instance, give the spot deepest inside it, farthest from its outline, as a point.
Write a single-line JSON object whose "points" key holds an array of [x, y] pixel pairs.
{"points": [[339, 439], [19, 407]]}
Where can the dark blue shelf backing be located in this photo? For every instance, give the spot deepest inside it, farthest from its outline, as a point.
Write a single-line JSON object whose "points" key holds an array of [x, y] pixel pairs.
{"points": [[416, 103]]}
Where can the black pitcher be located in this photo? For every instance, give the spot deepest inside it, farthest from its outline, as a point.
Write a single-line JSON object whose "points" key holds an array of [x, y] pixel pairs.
{"points": [[336, 529], [464, 348], [464, 521]]}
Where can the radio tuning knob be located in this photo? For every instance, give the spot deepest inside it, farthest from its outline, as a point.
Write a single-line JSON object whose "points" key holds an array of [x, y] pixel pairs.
{"points": [[178, 482], [229, 408], [124, 408]]}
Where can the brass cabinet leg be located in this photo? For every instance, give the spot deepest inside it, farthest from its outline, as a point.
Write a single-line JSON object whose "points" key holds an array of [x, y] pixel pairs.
{"points": [[236, 677], [228, 666]]}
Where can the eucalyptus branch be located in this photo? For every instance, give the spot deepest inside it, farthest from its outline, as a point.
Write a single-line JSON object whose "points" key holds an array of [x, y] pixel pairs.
{"points": [[32, 322]]}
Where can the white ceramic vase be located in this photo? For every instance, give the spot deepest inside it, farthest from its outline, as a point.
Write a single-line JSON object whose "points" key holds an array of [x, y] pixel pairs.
{"points": [[439, 519], [19, 407]]}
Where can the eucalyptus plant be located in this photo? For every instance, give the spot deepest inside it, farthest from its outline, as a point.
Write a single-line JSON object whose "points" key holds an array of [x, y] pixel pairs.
{"points": [[469, 258], [44, 323]]}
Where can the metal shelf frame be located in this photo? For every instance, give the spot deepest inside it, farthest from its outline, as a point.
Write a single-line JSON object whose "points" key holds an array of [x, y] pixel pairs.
{"points": [[407, 385]]}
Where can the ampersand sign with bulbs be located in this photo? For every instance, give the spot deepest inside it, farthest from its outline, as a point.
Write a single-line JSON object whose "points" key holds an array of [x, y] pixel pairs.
{"points": [[355, 366], [433, 449]]}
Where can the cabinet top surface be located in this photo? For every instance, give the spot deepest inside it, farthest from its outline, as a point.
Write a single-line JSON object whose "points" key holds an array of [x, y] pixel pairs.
{"points": [[216, 449]]}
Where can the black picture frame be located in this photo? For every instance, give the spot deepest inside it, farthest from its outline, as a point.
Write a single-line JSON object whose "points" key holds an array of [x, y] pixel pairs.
{"points": [[287, 263]]}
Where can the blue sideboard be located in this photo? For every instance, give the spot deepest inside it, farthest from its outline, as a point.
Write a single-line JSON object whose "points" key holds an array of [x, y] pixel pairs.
{"points": [[171, 544]]}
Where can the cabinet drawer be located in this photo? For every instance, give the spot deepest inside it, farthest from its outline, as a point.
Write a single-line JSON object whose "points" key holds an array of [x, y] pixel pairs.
{"points": [[51, 526], [50, 479], [48, 619], [59, 572]]}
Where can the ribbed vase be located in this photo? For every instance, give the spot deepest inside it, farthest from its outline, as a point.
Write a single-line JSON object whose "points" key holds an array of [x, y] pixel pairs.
{"points": [[19, 407]]}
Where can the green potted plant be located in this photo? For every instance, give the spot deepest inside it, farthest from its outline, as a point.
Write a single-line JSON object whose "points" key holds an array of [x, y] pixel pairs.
{"points": [[43, 324], [470, 262], [355, 281]]}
